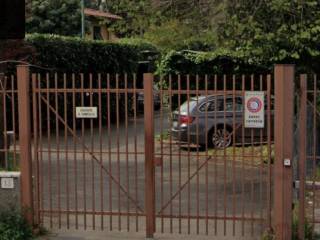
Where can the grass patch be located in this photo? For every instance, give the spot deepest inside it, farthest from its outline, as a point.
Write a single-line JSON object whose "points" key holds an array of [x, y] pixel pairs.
{"points": [[318, 173], [247, 154], [165, 135]]}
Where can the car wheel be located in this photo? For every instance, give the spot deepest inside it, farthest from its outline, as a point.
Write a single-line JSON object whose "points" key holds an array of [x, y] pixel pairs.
{"points": [[220, 138]]}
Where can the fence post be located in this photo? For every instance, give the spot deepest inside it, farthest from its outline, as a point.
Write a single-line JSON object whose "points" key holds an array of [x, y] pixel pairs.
{"points": [[283, 140], [149, 154], [23, 79]]}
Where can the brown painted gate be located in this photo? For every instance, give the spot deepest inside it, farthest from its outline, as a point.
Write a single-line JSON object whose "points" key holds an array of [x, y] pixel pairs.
{"points": [[106, 172], [212, 190], [169, 155], [89, 155]]}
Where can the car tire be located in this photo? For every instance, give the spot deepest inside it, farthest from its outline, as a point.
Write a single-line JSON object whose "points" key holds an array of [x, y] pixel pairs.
{"points": [[220, 137]]}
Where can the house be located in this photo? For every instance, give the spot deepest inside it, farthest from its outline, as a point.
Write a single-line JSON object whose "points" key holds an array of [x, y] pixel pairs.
{"points": [[98, 27]]}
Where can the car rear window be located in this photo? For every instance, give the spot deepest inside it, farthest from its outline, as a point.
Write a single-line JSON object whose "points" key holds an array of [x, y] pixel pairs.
{"points": [[184, 106]]}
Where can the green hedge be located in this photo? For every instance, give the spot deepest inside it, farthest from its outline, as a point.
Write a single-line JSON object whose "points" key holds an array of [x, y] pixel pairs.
{"points": [[223, 61], [217, 62], [69, 54], [142, 44]]}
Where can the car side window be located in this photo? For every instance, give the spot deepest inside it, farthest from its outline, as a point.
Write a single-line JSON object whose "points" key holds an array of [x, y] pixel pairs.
{"points": [[229, 105], [239, 105], [212, 105], [207, 106]]}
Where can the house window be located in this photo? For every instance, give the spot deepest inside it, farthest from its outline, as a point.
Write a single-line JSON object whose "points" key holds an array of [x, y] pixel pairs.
{"points": [[97, 33]]}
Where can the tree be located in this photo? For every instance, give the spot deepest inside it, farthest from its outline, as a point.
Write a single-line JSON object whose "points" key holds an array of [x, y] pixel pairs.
{"points": [[137, 16], [275, 30], [56, 17], [176, 35]]}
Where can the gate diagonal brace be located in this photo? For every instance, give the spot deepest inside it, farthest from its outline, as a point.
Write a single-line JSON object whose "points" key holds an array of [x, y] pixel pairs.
{"points": [[80, 141], [184, 185], [3, 87], [315, 108], [190, 178]]}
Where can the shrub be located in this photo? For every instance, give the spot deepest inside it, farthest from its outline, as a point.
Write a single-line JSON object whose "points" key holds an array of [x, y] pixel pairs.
{"points": [[74, 55], [308, 228], [139, 43], [218, 62], [13, 226]]}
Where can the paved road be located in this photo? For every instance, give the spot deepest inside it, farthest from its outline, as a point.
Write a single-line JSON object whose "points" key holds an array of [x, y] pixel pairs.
{"points": [[90, 177]]}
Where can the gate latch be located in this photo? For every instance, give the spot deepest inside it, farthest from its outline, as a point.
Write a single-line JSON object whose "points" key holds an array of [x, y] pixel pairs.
{"points": [[287, 162]]}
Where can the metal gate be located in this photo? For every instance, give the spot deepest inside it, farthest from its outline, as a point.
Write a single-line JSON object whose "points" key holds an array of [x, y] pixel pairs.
{"points": [[165, 155], [213, 175], [96, 167], [88, 151]]}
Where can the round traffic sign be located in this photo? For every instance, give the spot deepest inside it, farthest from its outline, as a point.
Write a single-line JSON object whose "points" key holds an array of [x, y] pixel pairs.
{"points": [[254, 105]]}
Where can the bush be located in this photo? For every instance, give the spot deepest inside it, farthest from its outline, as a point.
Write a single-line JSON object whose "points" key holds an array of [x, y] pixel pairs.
{"points": [[309, 234], [139, 43], [308, 229], [13, 226], [74, 55], [217, 62]]}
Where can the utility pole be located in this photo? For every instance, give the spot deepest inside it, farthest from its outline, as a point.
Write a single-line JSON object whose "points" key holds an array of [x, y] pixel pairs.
{"points": [[82, 20]]}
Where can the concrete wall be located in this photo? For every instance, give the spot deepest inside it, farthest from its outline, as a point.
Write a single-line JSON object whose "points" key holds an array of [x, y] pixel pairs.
{"points": [[9, 197]]}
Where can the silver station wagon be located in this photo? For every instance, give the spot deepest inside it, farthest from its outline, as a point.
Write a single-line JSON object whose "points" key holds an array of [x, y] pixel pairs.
{"points": [[214, 121]]}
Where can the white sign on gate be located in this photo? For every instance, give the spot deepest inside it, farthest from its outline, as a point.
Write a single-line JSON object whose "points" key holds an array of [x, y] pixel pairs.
{"points": [[86, 112], [254, 109]]}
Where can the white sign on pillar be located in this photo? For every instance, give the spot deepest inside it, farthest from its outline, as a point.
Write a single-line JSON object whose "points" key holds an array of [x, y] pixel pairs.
{"points": [[254, 109], [7, 183]]}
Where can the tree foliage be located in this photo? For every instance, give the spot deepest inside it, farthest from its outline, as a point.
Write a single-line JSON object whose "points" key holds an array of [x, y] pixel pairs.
{"points": [[266, 32], [137, 16], [276, 30], [56, 17], [176, 35]]}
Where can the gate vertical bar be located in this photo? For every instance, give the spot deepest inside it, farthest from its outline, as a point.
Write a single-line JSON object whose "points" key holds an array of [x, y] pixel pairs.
{"points": [[25, 141], [35, 151], [149, 155], [284, 115], [302, 152]]}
